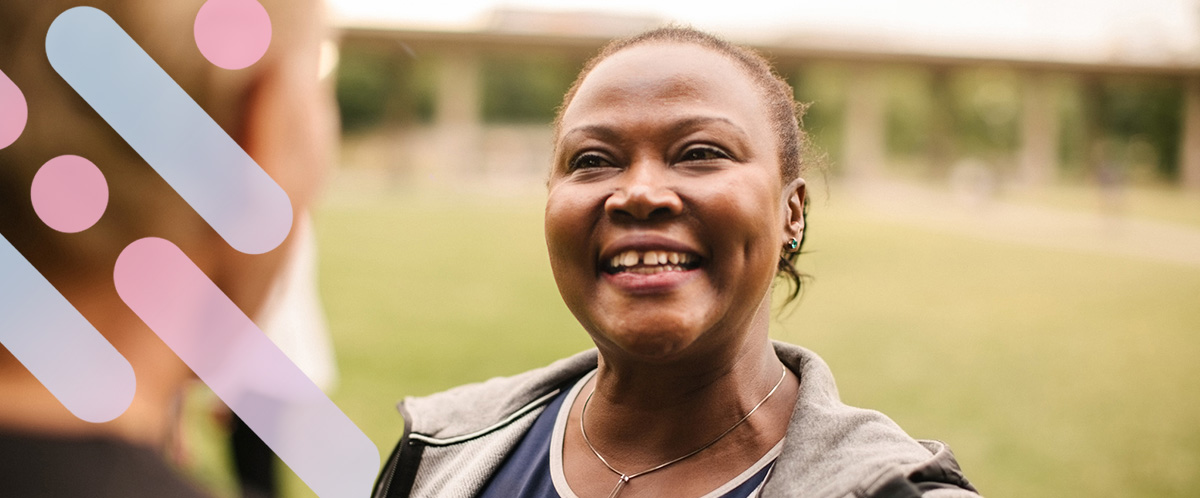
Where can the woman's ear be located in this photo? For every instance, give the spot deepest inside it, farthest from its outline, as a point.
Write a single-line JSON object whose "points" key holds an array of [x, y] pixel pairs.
{"points": [[289, 119], [794, 215], [289, 126]]}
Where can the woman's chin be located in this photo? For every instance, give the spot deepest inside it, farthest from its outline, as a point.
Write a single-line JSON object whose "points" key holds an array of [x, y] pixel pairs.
{"points": [[652, 343]]}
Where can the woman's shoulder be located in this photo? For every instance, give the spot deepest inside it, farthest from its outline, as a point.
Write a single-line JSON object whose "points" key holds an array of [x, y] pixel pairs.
{"points": [[844, 450], [473, 407]]}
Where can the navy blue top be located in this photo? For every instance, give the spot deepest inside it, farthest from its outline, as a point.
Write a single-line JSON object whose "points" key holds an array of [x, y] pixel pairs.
{"points": [[526, 472]]}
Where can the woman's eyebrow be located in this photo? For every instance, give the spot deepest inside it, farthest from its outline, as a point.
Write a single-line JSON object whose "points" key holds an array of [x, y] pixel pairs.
{"points": [[610, 133], [603, 132], [698, 121]]}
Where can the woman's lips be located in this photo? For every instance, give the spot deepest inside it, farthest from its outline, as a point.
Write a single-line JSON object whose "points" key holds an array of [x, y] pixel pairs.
{"points": [[650, 262], [644, 280], [645, 271], [642, 263]]}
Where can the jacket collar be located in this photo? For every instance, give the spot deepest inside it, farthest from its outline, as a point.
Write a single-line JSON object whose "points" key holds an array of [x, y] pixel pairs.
{"points": [[831, 448], [474, 408]]}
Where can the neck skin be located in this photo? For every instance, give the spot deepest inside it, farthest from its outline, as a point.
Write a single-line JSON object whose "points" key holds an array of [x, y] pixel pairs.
{"points": [[637, 409], [161, 377]]}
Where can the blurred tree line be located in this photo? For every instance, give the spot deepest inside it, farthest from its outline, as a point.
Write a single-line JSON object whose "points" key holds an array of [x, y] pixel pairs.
{"points": [[1136, 119], [935, 116], [397, 87]]}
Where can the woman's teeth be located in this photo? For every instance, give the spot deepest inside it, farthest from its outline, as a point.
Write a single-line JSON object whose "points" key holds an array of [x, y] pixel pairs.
{"points": [[651, 261]]}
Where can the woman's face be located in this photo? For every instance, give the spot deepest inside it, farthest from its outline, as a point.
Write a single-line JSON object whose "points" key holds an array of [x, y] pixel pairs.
{"points": [[666, 213]]}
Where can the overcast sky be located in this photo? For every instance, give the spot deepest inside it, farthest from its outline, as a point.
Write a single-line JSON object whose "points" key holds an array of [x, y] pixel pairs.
{"points": [[1141, 29]]}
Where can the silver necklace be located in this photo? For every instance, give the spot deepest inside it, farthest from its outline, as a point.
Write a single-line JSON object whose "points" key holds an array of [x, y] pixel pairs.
{"points": [[625, 478]]}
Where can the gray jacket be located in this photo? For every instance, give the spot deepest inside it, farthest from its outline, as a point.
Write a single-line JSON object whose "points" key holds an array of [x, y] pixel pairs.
{"points": [[455, 440]]}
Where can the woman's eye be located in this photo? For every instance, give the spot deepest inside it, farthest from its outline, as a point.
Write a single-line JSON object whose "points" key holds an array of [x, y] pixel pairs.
{"points": [[703, 154], [590, 160]]}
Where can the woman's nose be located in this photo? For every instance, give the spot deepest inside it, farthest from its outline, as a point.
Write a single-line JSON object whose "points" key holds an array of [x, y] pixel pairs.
{"points": [[644, 194]]}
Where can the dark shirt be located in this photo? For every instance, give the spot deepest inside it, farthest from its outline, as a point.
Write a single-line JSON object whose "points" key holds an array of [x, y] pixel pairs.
{"points": [[526, 472], [41, 466]]}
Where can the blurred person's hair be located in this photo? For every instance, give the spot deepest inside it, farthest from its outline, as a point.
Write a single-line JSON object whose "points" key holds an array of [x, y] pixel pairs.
{"points": [[140, 203]]}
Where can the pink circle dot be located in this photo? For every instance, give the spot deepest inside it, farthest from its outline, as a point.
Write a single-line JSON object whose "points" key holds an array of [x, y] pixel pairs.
{"points": [[13, 111], [69, 194], [232, 34]]}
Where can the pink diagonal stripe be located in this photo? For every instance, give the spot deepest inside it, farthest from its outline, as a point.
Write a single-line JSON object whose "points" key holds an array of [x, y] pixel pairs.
{"points": [[245, 369]]}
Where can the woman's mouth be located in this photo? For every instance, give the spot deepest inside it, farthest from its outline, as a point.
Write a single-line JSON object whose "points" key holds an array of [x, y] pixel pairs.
{"points": [[651, 262]]}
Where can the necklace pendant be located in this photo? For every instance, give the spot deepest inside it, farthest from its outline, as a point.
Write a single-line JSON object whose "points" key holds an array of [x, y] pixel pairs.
{"points": [[620, 484]]}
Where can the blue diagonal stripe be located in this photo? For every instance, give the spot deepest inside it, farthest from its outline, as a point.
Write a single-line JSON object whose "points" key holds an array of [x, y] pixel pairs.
{"points": [[169, 130], [62, 350]]}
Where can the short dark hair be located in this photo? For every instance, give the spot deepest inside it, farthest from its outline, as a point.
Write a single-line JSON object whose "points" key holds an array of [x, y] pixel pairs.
{"points": [[785, 113]]}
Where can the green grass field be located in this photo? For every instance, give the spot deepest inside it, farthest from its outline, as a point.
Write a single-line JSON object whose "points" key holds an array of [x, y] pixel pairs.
{"points": [[1050, 373]]}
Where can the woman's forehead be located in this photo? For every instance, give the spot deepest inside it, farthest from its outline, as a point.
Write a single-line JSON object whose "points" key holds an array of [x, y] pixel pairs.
{"points": [[664, 75]]}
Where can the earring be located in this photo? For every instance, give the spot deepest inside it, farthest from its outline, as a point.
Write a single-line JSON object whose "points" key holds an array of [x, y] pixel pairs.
{"points": [[793, 244]]}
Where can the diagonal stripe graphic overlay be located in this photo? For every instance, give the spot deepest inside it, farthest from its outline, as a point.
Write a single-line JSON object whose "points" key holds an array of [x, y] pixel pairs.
{"points": [[62, 350], [245, 369], [14, 111], [169, 130]]}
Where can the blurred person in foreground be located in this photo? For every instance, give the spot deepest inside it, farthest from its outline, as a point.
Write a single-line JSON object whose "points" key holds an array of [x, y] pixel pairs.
{"points": [[675, 201], [276, 109]]}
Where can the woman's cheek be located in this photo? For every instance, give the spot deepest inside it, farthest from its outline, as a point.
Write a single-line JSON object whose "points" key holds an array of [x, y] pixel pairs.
{"points": [[736, 213], [567, 230]]}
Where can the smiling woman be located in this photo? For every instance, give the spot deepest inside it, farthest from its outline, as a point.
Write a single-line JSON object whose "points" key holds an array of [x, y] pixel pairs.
{"points": [[675, 199]]}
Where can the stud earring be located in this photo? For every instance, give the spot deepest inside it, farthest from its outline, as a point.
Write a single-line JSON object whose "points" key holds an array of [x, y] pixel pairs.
{"points": [[793, 244]]}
